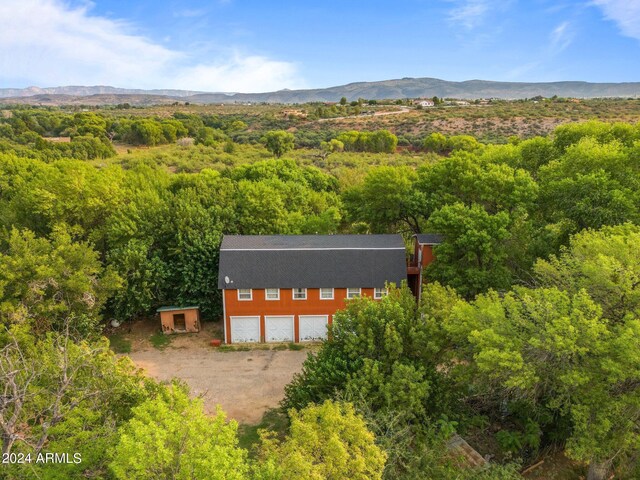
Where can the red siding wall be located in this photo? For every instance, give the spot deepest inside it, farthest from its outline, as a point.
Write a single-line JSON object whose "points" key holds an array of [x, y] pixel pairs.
{"points": [[427, 255], [285, 306]]}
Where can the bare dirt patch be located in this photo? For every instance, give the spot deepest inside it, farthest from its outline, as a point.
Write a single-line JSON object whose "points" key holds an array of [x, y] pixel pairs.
{"points": [[245, 383]]}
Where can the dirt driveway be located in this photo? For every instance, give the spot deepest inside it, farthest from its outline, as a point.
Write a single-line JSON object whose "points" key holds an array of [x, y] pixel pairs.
{"points": [[246, 384]]}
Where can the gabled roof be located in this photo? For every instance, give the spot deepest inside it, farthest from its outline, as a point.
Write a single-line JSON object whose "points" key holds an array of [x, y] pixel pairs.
{"points": [[429, 238], [311, 261], [314, 242]]}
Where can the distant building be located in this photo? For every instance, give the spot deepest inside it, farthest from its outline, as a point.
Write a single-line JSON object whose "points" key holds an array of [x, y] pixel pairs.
{"points": [[294, 113], [424, 103]]}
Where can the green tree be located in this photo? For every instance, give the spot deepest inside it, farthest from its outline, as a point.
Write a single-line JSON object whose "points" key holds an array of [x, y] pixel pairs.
{"points": [[278, 142], [387, 200], [566, 135], [380, 141], [436, 142], [560, 366], [170, 437], [378, 351], [146, 132], [463, 177], [59, 395], [144, 275], [474, 255], [604, 263], [332, 146], [328, 441], [210, 136], [591, 185], [48, 282], [535, 153]]}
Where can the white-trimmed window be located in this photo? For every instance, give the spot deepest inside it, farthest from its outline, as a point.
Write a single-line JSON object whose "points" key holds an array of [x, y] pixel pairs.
{"points": [[299, 293], [272, 294], [245, 294], [380, 292], [353, 292], [326, 294]]}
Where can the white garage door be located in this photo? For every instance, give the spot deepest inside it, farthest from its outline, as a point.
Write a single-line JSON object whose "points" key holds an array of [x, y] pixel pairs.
{"points": [[245, 329], [313, 327], [279, 329]]}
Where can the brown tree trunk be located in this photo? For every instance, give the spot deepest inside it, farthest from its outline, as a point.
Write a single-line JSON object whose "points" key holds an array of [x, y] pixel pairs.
{"points": [[7, 443], [598, 471]]}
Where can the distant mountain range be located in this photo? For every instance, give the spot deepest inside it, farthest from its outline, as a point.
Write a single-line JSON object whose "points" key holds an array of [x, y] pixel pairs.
{"points": [[79, 91], [387, 89]]}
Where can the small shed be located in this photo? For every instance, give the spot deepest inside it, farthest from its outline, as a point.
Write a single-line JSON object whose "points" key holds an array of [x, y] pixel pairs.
{"points": [[180, 319]]}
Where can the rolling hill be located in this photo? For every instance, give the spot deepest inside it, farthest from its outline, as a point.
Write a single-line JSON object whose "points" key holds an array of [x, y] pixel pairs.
{"points": [[386, 89]]}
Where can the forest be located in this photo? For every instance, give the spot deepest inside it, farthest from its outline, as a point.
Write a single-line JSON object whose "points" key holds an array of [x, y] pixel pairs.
{"points": [[526, 339]]}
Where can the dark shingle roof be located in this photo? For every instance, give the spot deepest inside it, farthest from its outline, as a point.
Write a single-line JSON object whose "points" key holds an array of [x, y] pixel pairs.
{"points": [[311, 261], [429, 238], [283, 242]]}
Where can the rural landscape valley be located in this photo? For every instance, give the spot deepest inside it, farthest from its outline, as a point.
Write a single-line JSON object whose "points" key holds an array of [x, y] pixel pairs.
{"points": [[112, 212], [246, 240]]}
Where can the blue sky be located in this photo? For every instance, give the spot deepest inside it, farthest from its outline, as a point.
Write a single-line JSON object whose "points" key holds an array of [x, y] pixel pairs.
{"points": [[243, 45]]}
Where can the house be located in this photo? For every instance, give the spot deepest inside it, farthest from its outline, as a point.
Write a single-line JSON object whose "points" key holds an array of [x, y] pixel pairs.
{"points": [[425, 103], [286, 288]]}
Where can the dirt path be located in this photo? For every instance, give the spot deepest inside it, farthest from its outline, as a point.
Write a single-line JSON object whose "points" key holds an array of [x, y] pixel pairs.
{"points": [[246, 384], [367, 115]]}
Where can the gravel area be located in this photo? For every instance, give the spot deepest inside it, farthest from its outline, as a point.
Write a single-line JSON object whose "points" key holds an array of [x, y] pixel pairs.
{"points": [[244, 383]]}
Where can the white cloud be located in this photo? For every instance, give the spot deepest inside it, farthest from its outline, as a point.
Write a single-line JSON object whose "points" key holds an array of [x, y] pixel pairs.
{"points": [[239, 74], [469, 13], [50, 43], [625, 13], [561, 37]]}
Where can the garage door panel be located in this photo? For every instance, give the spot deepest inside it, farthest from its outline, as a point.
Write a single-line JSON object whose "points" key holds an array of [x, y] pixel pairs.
{"points": [[245, 329], [313, 327], [278, 328]]}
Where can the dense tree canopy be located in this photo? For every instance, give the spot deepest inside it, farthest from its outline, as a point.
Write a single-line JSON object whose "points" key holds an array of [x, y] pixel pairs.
{"points": [[60, 395], [531, 335]]}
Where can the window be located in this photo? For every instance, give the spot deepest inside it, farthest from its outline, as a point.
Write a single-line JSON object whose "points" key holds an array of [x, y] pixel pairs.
{"points": [[272, 294], [380, 292], [244, 294], [326, 294], [299, 293], [353, 292]]}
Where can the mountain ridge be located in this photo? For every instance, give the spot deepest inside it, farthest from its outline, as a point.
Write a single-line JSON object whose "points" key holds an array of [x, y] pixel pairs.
{"points": [[407, 87]]}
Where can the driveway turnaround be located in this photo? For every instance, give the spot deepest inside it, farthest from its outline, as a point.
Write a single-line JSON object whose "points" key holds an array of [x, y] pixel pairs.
{"points": [[244, 383]]}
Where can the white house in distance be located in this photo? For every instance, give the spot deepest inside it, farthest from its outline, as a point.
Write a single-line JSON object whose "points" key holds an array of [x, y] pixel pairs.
{"points": [[424, 103]]}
